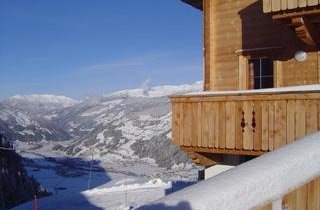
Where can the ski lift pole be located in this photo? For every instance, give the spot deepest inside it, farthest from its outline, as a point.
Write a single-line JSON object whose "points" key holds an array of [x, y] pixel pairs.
{"points": [[35, 203], [90, 172]]}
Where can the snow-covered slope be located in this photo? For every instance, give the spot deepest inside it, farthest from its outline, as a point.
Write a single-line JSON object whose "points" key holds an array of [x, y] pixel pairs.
{"points": [[24, 117], [40, 104], [129, 124], [20, 125], [112, 185]]}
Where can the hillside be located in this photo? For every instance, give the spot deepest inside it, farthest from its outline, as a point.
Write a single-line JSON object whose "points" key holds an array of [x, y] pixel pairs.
{"points": [[125, 125], [15, 185]]}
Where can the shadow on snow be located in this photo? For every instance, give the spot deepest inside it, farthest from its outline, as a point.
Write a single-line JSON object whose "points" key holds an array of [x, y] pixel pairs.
{"points": [[184, 205], [178, 185], [65, 178]]}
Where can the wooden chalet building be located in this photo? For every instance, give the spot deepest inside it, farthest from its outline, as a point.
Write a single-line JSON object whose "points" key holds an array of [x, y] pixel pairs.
{"points": [[250, 45]]}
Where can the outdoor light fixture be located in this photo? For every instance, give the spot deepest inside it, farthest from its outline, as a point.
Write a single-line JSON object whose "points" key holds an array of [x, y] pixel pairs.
{"points": [[300, 56]]}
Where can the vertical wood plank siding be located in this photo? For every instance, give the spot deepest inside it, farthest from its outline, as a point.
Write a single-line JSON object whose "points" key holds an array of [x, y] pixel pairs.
{"points": [[245, 122], [281, 5], [233, 34]]}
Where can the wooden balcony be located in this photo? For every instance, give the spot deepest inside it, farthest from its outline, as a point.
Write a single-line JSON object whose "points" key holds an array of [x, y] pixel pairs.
{"points": [[300, 16], [285, 5], [245, 123]]}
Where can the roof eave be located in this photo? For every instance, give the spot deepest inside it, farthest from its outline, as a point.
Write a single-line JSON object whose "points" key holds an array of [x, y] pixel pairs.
{"points": [[195, 3]]}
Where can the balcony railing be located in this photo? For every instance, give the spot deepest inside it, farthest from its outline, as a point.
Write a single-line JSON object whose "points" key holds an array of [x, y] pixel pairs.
{"points": [[249, 123], [284, 5]]}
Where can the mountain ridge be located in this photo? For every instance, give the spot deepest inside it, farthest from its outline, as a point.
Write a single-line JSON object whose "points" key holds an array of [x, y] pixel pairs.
{"points": [[128, 124]]}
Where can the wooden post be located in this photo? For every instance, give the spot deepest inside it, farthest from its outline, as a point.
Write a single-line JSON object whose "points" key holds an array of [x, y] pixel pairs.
{"points": [[243, 73]]}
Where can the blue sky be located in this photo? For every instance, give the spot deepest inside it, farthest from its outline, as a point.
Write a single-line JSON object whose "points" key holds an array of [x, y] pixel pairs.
{"points": [[80, 48]]}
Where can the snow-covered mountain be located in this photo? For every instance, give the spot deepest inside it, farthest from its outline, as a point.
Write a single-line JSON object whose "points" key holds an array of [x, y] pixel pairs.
{"points": [[22, 117], [128, 124], [40, 104], [159, 91]]}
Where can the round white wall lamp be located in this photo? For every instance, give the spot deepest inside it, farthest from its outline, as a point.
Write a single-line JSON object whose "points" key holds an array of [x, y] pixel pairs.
{"points": [[300, 56]]}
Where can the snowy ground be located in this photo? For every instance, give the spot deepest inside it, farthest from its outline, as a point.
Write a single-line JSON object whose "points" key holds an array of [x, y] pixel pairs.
{"points": [[114, 184]]}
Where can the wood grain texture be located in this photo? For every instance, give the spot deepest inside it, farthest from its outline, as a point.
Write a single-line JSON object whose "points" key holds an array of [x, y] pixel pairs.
{"points": [[239, 136], [176, 117], [257, 132], [300, 119], [235, 26], [186, 126], [284, 4], [313, 2], [318, 61], [305, 197], [292, 4], [230, 125], [265, 126], [207, 42], [302, 3], [206, 124], [280, 124], [198, 123], [291, 200], [243, 73], [291, 120], [193, 124], [276, 5], [222, 125], [312, 195], [302, 197], [271, 129], [267, 6], [300, 73], [248, 132], [216, 128], [311, 116]]}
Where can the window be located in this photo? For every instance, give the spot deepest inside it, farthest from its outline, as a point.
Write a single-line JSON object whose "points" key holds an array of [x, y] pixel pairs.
{"points": [[261, 73]]}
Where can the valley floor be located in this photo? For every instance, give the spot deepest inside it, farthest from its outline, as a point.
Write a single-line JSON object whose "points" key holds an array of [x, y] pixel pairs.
{"points": [[101, 183]]}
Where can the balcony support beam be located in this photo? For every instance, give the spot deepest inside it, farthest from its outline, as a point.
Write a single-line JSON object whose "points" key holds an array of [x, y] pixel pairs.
{"points": [[221, 151]]}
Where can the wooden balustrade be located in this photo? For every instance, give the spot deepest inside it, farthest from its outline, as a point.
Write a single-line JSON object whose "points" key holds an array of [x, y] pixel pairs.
{"points": [[283, 5], [248, 123], [306, 197]]}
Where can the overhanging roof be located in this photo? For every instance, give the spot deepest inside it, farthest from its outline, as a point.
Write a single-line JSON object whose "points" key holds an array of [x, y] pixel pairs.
{"points": [[195, 3]]}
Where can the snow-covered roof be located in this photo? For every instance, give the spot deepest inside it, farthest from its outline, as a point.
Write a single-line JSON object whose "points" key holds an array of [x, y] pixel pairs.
{"points": [[259, 181], [290, 89]]}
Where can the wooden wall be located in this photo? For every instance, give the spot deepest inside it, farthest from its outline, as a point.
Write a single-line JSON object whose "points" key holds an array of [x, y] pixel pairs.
{"points": [[294, 73], [233, 28]]}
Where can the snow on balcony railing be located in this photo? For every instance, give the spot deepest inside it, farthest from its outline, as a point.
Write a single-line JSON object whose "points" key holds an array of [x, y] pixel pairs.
{"points": [[257, 182], [290, 89]]}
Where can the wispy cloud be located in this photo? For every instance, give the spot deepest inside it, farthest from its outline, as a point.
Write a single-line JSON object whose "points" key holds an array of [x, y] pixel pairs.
{"points": [[126, 62], [114, 64]]}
